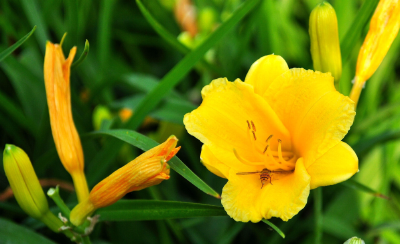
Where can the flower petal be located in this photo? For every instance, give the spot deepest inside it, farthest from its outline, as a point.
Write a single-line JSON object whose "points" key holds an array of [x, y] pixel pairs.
{"points": [[220, 161], [336, 165], [244, 200], [221, 120], [264, 71], [317, 116]]}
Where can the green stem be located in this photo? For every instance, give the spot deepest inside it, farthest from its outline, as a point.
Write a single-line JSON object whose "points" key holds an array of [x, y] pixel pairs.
{"points": [[86, 240], [318, 214], [54, 194]]}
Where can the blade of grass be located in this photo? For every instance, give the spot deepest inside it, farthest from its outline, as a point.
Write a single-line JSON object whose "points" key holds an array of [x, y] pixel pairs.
{"points": [[83, 55], [185, 65], [138, 210], [274, 227], [35, 17], [353, 34], [138, 140], [360, 187], [11, 49], [367, 143]]}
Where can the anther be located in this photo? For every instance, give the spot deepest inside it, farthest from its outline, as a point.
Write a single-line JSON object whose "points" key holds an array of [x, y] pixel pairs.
{"points": [[254, 135], [248, 124], [254, 127], [269, 138], [265, 149]]}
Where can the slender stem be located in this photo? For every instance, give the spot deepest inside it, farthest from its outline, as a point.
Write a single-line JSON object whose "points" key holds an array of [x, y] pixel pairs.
{"points": [[356, 90], [318, 214], [54, 194]]}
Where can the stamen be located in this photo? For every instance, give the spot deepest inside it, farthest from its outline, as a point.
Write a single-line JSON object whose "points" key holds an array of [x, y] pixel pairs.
{"points": [[248, 124], [254, 127], [254, 135], [269, 153], [280, 151], [245, 161], [269, 138]]}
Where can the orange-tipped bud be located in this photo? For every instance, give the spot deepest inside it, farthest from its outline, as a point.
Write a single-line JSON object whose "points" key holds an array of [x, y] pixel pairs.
{"points": [[66, 138], [147, 170]]}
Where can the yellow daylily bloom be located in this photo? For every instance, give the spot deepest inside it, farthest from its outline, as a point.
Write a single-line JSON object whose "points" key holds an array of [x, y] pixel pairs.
{"points": [[285, 126], [147, 170], [383, 29], [66, 138], [26, 187]]}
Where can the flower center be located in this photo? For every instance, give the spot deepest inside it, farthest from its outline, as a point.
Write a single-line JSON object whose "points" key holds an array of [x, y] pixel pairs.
{"points": [[272, 159]]}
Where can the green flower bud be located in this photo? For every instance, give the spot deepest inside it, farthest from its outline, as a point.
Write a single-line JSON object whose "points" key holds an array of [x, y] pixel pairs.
{"points": [[207, 19], [324, 37], [354, 240], [100, 113], [26, 187]]}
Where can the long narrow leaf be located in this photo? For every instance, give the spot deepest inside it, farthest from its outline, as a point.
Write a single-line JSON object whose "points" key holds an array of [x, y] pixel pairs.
{"points": [[274, 227], [360, 187], [11, 49], [354, 32], [185, 65], [136, 210], [367, 143], [138, 140], [16, 234]]}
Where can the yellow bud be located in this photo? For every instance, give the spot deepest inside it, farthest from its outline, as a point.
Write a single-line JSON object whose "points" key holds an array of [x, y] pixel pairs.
{"points": [[383, 29], [26, 187], [147, 170], [324, 37], [66, 138]]}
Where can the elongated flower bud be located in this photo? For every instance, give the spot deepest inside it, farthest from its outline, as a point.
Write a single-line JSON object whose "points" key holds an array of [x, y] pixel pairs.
{"points": [[66, 138], [324, 37], [26, 187], [147, 170], [383, 29]]}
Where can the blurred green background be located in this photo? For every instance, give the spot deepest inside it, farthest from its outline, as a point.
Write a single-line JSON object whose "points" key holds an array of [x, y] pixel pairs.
{"points": [[126, 61]]}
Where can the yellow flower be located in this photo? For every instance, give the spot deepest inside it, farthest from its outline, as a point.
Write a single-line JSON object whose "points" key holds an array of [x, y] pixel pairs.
{"points": [[66, 138], [147, 170], [383, 29], [324, 38], [26, 187], [288, 121]]}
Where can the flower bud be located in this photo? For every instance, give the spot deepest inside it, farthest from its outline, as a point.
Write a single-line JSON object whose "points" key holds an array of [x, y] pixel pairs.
{"points": [[324, 37], [147, 170], [26, 187], [100, 113], [354, 240], [66, 138], [383, 29]]}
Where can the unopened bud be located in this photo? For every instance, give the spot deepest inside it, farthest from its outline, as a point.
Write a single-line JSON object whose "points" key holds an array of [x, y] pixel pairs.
{"points": [[26, 187], [354, 240], [147, 170], [100, 114], [324, 37]]}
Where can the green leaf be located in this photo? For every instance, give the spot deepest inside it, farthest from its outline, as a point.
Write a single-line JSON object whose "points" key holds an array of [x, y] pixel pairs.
{"points": [[11, 49], [137, 210], [360, 187], [274, 227], [367, 143], [83, 55], [353, 34], [173, 77], [16, 234], [138, 140]]}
